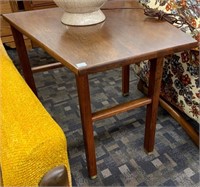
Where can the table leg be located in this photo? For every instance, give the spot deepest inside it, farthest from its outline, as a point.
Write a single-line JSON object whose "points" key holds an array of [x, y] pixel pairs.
{"points": [[155, 78], [87, 125], [23, 58], [125, 80]]}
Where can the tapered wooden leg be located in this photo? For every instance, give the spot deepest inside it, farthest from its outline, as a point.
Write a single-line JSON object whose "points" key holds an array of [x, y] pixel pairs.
{"points": [[23, 58], [125, 80], [87, 125], [156, 70]]}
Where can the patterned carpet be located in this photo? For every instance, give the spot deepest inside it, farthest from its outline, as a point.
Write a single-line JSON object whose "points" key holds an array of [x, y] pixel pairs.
{"points": [[121, 160]]}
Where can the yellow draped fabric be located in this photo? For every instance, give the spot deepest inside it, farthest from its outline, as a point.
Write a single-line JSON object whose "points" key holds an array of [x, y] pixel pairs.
{"points": [[31, 142]]}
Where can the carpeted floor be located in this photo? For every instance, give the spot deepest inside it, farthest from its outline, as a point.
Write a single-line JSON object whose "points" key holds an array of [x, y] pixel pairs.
{"points": [[121, 160]]}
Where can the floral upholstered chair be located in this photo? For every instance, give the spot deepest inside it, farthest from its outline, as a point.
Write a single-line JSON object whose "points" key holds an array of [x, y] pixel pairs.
{"points": [[180, 90]]}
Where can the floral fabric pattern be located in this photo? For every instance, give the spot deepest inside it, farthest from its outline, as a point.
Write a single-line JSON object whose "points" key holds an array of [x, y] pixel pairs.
{"points": [[180, 82]]}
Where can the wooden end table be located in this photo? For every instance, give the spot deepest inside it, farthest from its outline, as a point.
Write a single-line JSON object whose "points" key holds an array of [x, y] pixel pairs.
{"points": [[127, 36]]}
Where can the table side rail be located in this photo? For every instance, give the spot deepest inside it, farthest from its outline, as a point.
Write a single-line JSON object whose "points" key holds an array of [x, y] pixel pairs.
{"points": [[105, 113]]}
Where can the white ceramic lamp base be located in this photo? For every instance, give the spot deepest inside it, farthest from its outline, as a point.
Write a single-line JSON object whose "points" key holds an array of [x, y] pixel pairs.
{"points": [[83, 19]]}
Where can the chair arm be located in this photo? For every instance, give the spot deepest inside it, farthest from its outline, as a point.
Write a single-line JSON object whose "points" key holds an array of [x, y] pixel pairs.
{"points": [[55, 177], [1, 178]]}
